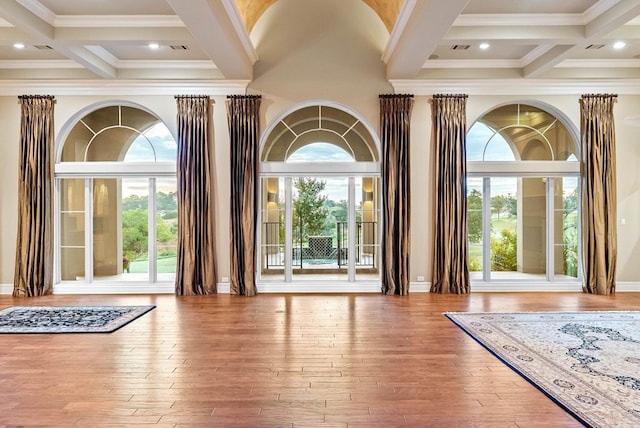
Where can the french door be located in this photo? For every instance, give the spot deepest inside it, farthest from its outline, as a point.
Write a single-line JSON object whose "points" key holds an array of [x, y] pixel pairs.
{"points": [[319, 228]]}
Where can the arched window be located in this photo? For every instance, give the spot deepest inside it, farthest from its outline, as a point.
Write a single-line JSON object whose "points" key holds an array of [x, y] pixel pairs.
{"points": [[116, 205], [522, 191], [319, 199]]}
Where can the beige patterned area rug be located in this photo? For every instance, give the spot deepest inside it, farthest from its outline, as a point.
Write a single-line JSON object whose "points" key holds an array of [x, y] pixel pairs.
{"points": [[587, 362]]}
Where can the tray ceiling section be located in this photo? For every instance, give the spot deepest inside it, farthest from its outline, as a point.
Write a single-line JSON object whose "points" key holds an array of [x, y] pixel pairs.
{"points": [[112, 40], [428, 39], [539, 39]]}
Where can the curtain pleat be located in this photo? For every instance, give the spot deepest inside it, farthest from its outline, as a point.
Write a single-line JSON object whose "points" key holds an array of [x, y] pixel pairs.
{"points": [[195, 270], [243, 114], [34, 246], [450, 272], [395, 121], [598, 176]]}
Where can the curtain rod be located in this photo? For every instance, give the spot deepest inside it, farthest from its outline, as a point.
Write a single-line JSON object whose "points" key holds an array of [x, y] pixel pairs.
{"points": [[192, 96], [233, 97], [395, 96], [599, 95], [37, 97], [450, 96]]}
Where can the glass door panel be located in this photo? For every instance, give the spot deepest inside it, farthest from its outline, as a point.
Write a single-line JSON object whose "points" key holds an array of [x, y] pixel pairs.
{"points": [[72, 229], [506, 227], [319, 229], [474, 227], [367, 216], [166, 229], [107, 257], [272, 248], [532, 229], [565, 198], [128, 243]]}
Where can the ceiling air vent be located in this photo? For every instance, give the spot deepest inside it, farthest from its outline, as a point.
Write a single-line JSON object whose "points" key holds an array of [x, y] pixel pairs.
{"points": [[43, 47], [594, 46], [459, 47], [179, 47]]}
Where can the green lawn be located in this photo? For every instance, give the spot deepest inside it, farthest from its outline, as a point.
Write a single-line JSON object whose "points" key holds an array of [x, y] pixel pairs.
{"points": [[500, 224], [165, 265]]}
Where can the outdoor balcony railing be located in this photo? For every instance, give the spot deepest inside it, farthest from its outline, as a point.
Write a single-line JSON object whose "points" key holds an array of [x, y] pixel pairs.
{"points": [[321, 250]]}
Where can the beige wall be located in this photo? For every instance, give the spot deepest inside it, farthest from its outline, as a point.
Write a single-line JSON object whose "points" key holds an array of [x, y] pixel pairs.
{"points": [[10, 125], [628, 155], [301, 62]]}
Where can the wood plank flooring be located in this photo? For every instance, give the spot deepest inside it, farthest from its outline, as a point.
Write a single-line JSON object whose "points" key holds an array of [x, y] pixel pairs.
{"points": [[353, 360]]}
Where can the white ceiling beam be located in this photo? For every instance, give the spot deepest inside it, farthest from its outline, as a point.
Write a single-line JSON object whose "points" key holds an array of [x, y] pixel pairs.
{"points": [[617, 15], [93, 35], [211, 23], [39, 29], [415, 41], [529, 33]]}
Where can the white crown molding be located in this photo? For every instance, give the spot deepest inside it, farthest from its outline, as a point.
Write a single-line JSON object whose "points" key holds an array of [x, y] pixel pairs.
{"points": [[123, 87], [590, 63], [518, 19], [473, 63], [39, 64], [166, 64], [514, 86], [116, 21]]}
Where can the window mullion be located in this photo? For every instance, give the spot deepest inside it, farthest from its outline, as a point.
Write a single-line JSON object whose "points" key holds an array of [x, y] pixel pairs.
{"points": [[486, 229], [288, 229], [88, 227], [152, 234], [550, 229]]}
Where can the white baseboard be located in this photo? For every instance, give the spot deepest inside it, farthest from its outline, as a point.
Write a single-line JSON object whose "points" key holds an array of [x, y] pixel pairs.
{"points": [[415, 287], [623, 287]]}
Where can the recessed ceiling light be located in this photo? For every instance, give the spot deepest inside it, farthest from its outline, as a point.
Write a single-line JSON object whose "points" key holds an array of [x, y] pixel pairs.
{"points": [[18, 45], [153, 46], [484, 46], [619, 45]]}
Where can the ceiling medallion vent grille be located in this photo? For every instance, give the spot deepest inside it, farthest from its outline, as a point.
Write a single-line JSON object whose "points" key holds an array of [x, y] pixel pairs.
{"points": [[179, 47], [459, 47], [43, 47], [593, 47]]}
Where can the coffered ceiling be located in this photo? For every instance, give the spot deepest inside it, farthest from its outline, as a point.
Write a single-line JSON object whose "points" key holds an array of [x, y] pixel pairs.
{"points": [[205, 40]]}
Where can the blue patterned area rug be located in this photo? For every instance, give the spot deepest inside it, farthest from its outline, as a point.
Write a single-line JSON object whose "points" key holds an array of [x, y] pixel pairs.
{"points": [[587, 362], [68, 319]]}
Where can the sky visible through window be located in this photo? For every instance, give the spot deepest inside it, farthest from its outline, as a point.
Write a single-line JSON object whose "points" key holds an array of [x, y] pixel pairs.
{"points": [[140, 151], [320, 152], [481, 136], [161, 139], [335, 188]]}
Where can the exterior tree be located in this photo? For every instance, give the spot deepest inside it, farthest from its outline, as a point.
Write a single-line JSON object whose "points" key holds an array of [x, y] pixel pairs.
{"points": [[504, 251], [135, 233], [474, 216], [498, 204], [309, 208]]}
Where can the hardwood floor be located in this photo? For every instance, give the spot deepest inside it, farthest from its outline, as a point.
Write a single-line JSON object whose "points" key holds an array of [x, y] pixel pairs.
{"points": [[280, 361]]}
